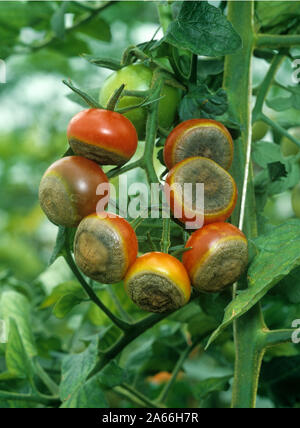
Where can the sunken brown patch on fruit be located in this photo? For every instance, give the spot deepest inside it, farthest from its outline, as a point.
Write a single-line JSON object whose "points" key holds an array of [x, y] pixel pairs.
{"points": [[99, 252], [155, 293], [226, 263], [57, 202], [208, 142], [218, 186], [96, 153]]}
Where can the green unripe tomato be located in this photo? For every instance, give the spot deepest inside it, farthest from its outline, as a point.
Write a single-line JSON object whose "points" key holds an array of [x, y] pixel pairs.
{"points": [[138, 77], [296, 200], [259, 130], [288, 148]]}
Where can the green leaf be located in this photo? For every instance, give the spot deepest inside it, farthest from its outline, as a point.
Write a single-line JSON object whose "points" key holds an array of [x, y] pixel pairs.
{"points": [[72, 45], [214, 305], [15, 306], [203, 30], [111, 376], [202, 102], [17, 360], [278, 256], [280, 173], [65, 305], [93, 93], [290, 286], [279, 13], [202, 389], [58, 21], [76, 368], [282, 377], [108, 336], [108, 63], [89, 396], [98, 28], [69, 287], [264, 152], [60, 243]]}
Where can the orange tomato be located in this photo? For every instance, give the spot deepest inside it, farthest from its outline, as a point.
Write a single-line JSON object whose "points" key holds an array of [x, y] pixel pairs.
{"points": [[158, 282]]}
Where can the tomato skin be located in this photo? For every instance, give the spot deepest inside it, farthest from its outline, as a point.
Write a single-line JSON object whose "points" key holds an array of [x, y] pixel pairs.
{"points": [[68, 190], [176, 204], [107, 137], [107, 240], [161, 265], [138, 77], [221, 240], [178, 147]]}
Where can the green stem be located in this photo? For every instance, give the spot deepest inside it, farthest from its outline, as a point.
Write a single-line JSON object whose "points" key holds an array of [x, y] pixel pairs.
{"points": [[151, 132], [264, 88], [115, 172], [249, 355], [135, 331], [139, 397], [277, 337], [238, 83], [164, 393], [33, 398], [279, 129], [46, 379], [277, 41], [165, 239], [92, 295]]}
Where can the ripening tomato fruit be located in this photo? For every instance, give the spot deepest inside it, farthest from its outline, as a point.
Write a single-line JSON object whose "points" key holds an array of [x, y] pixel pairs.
{"points": [[158, 282], [107, 137], [138, 77], [259, 130], [105, 246], [220, 191], [199, 137], [68, 190], [218, 256], [288, 148]]}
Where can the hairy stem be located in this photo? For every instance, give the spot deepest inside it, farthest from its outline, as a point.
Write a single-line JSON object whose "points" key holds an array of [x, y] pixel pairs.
{"points": [[238, 82], [249, 355]]}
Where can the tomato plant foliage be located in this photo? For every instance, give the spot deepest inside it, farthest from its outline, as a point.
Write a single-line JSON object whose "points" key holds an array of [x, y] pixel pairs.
{"points": [[70, 342]]}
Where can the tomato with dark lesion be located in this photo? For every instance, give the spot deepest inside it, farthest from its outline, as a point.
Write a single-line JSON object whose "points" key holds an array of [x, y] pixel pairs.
{"points": [[68, 190], [158, 282]]}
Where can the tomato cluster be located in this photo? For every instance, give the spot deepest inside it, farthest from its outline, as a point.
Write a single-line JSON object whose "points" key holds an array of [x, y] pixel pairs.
{"points": [[105, 245], [201, 151]]}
